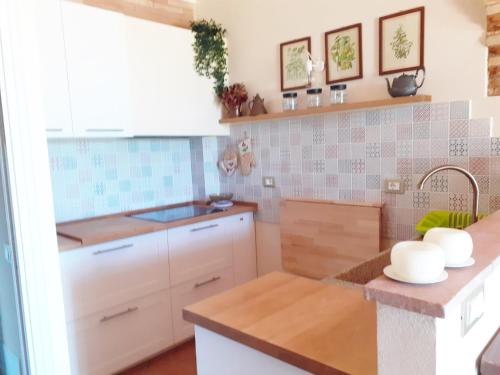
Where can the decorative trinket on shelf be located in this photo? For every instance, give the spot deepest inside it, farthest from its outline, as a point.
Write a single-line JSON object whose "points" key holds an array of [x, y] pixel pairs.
{"points": [[247, 157], [233, 97], [256, 106], [229, 162], [405, 84]]}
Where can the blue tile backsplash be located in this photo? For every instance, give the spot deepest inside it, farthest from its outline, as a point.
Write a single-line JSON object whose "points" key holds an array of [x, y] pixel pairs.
{"points": [[100, 177]]}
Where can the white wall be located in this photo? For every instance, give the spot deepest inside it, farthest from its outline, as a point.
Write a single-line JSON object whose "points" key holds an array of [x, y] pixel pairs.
{"points": [[455, 56]]}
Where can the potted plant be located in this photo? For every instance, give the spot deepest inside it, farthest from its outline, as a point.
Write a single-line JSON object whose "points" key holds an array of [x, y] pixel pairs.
{"points": [[210, 52], [233, 97]]}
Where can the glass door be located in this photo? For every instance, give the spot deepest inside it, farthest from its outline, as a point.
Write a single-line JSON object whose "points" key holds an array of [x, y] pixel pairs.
{"points": [[12, 343]]}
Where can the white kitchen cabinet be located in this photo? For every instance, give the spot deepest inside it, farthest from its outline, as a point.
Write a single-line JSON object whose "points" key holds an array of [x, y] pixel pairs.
{"points": [[98, 73], [54, 76], [193, 291], [168, 97], [101, 276], [110, 340], [244, 249]]}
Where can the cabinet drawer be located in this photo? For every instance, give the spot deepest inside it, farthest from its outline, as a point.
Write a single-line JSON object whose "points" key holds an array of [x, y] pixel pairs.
{"points": [[115, 338], [194, 291], [97, 277], [199, 249]]}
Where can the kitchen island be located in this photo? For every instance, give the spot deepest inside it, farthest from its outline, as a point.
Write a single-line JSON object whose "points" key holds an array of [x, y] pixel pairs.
{"points": [[286, 324]]}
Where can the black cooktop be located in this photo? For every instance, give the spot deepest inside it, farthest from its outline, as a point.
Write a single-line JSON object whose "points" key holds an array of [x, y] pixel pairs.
{"points": [[177, 213]]}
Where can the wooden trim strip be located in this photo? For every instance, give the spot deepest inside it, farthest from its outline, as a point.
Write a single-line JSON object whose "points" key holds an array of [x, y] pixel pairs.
{"points": [[329, 109], [493, 39]]}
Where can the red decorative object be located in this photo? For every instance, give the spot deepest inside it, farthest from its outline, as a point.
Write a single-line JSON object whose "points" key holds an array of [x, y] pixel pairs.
{"points": [[233, 97]]}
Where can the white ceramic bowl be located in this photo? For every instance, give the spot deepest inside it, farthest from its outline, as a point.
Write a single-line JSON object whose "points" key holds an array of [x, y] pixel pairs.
{"points": [[417, 261], [456, 243]]}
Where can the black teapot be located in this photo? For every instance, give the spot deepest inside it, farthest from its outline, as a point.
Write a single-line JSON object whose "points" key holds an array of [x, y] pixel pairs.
{"points": [[405, 84]]}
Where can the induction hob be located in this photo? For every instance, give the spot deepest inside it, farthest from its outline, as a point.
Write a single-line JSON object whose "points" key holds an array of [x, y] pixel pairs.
{"points": [[177, 213]]}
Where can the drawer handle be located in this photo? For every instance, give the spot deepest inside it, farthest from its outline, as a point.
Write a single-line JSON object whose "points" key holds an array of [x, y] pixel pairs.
{"points": [[203, 283], [54, 129], [203, 228], [105, 130], [98, 252], [130, 310]]}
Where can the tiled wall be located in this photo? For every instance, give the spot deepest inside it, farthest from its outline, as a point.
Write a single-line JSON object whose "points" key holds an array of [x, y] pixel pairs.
{"points": [[99, 177], [348, 156]]}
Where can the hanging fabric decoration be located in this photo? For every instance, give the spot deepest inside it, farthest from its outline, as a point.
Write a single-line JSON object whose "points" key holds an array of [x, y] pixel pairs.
{"points": [[229, 162], [247, 157]]}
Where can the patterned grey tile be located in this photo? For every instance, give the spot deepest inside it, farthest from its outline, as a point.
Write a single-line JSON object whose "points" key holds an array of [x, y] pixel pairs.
{"points": [[331, 166], [345, 181], [332, 181], [358, 151], [357, 135], [439, 129], [388, 116], [479, 146], [372, 134], [421, 130], [372, 117], [458, 147], [422, 148], [331, 151], [318, 152], [358, 195], [404, 149], [459, 110], [407, 181], [458, 202], [421, 165], [373, 166], [439, 148], [358, 182], [421, 113], [388, 149], [344, 120], [404, 166], [358, 119], [344, 135], [421, 200], [404, 115], [388, 132], [345, 195], [373, 150], [318, 134], [307, 152], [480, 128], [358, 166], [345, 166], [479, 165], [388, 167], [404, 131], [373, 182], [439, 183], [459, 128], [484, 184], [344, 151], [439, 201], [440, 112], [307, 166], [495, 146]]}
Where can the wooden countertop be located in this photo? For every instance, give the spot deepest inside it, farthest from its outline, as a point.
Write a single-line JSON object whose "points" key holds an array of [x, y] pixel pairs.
{"points": [[438, 299], [114, 227], [323, 329]]}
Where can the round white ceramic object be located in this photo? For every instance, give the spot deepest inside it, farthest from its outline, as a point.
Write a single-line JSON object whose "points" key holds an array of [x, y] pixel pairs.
{"points": [[417, 261], [456, 243]]}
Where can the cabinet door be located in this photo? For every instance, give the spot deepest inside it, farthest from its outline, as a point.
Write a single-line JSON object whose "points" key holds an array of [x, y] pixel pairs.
{"points": [[244, 249], [110, 340], [168, 96], [194, 291], [98, 277], [54, 77], [199, 249], [97, 70]]}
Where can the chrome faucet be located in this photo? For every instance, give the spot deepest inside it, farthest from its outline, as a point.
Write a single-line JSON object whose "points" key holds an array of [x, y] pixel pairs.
{"points": [[466, 173]]}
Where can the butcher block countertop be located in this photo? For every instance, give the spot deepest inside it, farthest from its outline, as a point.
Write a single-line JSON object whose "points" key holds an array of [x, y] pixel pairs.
{"points": [[322, 329], [93, 231], [437, 300]]}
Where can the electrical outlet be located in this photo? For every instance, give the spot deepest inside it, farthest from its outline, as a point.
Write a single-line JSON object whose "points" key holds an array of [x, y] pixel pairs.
{"points": [[394, 186], [472, 309], [268, 182]]}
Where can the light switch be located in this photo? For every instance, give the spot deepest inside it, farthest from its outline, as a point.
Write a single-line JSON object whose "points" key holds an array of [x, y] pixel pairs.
{"points": [[394, 186], [472, 309], [268, 182]]}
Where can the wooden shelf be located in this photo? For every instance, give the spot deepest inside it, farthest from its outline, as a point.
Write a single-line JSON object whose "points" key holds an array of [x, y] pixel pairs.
{"points": [[328, 109]]}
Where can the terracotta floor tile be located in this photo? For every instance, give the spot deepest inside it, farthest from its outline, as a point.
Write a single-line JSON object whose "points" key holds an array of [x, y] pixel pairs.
{"points": [[178, 361]]}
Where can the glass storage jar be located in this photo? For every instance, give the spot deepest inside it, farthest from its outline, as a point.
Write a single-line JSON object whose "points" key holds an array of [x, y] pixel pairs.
{"points": [[289, 101], [314, 98], [338, 94]]}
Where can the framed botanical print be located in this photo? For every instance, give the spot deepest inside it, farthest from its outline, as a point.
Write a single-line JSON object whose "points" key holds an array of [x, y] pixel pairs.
{"points": [[344, 54], [293, 58], [401, 41]]}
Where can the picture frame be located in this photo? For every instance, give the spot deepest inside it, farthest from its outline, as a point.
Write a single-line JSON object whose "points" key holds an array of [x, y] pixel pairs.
{"points": [[402, 41], [344, 54], [293, 57]]}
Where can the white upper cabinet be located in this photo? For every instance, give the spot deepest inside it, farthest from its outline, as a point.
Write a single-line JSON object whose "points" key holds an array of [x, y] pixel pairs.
{"points": [[96, 56], [54, 77], [168, 97]]}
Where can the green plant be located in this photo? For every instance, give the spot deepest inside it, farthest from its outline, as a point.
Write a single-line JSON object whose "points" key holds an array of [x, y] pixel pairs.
{"points": [[210, 52], [400, 44], [343, 52]]}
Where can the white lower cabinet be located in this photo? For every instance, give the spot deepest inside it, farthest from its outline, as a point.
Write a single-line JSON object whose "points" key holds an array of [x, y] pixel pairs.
{"points": [[124, 299], [112, 339], [194, 291]]}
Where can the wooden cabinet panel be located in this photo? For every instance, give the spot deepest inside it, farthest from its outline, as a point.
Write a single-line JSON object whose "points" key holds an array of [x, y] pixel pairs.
{"points": [[105, 275], [112, 339], [194, 291], [199, 249], [96, 56]]}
